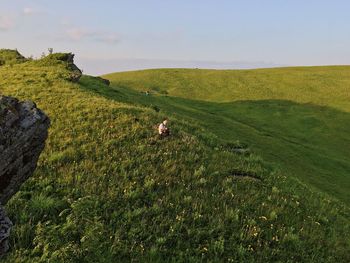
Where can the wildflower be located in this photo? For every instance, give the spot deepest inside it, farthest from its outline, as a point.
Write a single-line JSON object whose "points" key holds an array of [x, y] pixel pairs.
{"points": [[275, 238], [275, 189]]}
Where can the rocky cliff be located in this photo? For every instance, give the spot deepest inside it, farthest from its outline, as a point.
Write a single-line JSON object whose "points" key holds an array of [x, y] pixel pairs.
{"points": [[67, 58], [23, 131]]}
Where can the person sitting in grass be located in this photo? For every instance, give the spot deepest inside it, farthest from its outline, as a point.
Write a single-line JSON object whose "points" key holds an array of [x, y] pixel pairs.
{"points": [[163, 130]]}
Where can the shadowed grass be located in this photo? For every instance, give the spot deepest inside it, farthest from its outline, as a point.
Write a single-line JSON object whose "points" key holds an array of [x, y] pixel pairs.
{"points": [[297, 118]]}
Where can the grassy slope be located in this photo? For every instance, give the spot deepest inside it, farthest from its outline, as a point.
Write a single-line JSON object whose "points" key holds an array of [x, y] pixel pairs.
{"points": [[326, 86], [297, 118], [106, 189], [8, 56]]}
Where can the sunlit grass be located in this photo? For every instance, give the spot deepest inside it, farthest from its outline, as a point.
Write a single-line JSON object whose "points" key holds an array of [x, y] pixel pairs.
{"points": [[296, 118], [107, 190], [325, 86]]}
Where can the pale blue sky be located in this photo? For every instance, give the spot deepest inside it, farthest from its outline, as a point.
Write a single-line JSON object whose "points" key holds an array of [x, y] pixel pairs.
{"points": [[109, 36]]}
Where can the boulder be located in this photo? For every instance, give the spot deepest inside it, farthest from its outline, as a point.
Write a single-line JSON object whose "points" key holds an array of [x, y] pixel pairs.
{"points": [[23, 131], [68, 58], [5, 228], [76, 72]]}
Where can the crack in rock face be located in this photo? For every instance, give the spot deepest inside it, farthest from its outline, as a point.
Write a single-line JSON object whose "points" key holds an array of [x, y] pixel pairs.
{"points": [[5, 228], [23, 131]]}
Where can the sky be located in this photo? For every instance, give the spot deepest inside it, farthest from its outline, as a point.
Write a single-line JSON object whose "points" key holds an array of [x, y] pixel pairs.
{"points": [[109, 36]]}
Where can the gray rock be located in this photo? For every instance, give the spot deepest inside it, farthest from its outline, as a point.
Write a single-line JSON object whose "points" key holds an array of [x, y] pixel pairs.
{"points": [[68, 58], [76, 73], [23, 131], [5, 228]]}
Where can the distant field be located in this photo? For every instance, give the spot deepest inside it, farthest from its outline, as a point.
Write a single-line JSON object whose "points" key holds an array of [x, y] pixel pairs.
{"points": [[297, 118], [326, 86]]}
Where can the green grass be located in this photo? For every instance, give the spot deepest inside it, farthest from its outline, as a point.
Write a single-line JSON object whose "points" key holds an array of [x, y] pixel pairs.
{"points": [[108, 190], [10, 57], [324, 86], [296, 118]]}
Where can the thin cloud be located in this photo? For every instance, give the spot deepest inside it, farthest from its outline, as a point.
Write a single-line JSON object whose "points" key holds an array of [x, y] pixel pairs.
{"points": [[65, 21], [110, 38], [29, 11], [77, 34], [81, 34], [6, 22]]}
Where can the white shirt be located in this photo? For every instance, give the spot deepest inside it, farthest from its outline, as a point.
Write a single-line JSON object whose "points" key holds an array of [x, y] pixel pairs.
{"points": [[161, 128]]}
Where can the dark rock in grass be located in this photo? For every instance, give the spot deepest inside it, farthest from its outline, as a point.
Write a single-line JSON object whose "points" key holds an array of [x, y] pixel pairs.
{"points": [[23, 131], [245, 175], [235, 147], [5, 228], [241, 150], [76, 72], [105, 81]]}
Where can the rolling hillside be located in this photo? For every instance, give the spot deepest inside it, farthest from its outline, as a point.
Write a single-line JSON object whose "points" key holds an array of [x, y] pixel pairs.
{"points": [[108, 190], [296, 118], [323, 86]]}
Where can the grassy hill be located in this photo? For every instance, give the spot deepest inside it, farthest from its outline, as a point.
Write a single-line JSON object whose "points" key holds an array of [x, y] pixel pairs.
{"points": [[324, 86], [9, 57], [108, 190], [297, 118]]}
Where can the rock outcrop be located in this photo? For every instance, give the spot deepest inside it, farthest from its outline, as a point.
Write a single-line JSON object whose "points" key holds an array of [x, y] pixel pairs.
{"points": [[68, 58], [23, 131], [76, 72], [5, 228]]}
